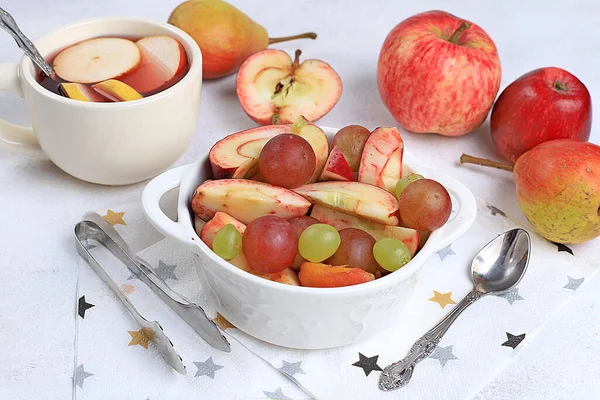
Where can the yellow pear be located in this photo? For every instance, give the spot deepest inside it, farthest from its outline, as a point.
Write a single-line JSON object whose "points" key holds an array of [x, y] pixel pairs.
{"points": [[226, 36]]}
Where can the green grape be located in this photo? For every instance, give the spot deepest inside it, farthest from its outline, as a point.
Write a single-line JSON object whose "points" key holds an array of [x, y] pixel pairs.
{"points": [[318, 242], [391, 254], [227, 242], [405, 181]]}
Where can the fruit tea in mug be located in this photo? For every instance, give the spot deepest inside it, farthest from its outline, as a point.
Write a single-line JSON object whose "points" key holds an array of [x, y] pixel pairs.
{"points": [[113, 69]]}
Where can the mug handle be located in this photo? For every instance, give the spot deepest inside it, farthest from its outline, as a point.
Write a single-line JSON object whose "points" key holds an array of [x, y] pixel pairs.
{"points": [[17, 138]]}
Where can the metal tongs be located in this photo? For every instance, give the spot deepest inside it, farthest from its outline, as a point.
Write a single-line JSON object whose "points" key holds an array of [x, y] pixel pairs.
{"points": [[94, 227]]}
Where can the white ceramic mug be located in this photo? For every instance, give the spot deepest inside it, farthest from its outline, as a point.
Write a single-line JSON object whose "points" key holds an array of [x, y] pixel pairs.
{"points": [[106, 143]]}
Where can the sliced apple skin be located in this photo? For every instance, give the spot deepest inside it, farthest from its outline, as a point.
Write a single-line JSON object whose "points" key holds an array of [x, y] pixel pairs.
{"points": [[317, 140], [381, 161], [327, 276], [115, 90], [288, 277], [236, 155], [337, 167], [218, 221], [339, 220], [81, 92], [246, 200], [355, 198]]}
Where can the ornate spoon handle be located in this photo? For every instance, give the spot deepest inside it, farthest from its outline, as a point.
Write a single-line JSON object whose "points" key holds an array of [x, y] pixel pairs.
{"points": [[399, 373]]}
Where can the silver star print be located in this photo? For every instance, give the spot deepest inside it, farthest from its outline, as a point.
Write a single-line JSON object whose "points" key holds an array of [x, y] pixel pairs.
{"points": [[164, 271], [290, 369], [445, 252], [443, 354], [207, 368], [512, 295], [573, 283], [277, 394], [80, 375], [496, 211]]}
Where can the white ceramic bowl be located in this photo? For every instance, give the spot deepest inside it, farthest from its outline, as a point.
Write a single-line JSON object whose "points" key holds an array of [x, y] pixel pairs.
{"points": [[292, 316]]}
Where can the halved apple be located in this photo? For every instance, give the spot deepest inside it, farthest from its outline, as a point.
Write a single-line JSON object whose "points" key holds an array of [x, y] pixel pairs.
{"points": [[81, 92], [327, 276], [273, 89], [162, 58], [337, 167], [96, 60], [339, 220], [115, 90], [220, 219], [317, 140], [236, 155], [381, 161], [246, 200], [355, 198]]}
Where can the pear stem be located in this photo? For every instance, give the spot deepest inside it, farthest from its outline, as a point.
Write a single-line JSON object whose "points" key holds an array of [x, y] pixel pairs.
{"points": [[306, 35], [467, 159], [456, 34]]}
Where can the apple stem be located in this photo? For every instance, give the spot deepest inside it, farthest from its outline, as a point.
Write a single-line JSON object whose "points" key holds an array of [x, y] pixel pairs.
{"points": [[454, 38], [296, 63], [467, 159], [306, 35]]}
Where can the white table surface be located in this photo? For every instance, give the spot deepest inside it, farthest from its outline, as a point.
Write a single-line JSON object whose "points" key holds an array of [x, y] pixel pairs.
{"points": [[37, 200]]}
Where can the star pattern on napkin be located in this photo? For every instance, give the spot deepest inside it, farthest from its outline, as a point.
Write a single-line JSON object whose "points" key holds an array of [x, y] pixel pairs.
{"points": [[368, 364], [291, 369], [222, 322], [141, 337], [561, 247], [277, 394], [445, 252], [511, 296], [443, 299], [573, 283], [80, 375], [164, 271], [83, 306], [513, 340], [443, 354], [114, 218], [496, 211], [207, 368]]}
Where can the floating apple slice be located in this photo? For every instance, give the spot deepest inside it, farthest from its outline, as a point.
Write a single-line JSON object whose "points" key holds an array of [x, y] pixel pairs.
{"points": [[246, 200], [381, 161], [273, 89], [356, 198], [337, 167], [327, 276], [81, 92], [339, 220], [236, 155], [96, 60], [162, 59], [317, 140], [116, 90]]}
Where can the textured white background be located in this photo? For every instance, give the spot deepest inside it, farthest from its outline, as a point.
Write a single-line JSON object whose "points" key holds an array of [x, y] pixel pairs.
{"points": [[37, 200]]}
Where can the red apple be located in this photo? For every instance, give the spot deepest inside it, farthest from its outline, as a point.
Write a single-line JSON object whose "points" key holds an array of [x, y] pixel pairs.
{"points": [[438, 73], [542, 105]]}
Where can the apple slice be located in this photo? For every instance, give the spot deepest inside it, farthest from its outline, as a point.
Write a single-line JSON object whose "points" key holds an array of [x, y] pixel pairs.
{"points": [[337, 167], [236, 155], [198, 225], [162, 59], [81, 92], [273, 89], [355, 198], [317, 140], [339, 220], [96, 60], [381, 161], [288, 276], [246, 200], [327, 276], [115, 90], [220, 219]]}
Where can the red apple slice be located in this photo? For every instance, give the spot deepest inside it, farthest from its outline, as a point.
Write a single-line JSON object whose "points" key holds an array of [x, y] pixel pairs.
{"points": [[96, 60], [381, 161], [162, 59], [337, 168], [246, 200], [115, 90], [288, 277], [339, 220], [355, 198], [81, 92], [317, 140], [236, 155]]}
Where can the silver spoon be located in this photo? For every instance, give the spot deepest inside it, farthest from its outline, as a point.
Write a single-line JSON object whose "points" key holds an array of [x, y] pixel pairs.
{"points": [[498, 267], [7, 22]]}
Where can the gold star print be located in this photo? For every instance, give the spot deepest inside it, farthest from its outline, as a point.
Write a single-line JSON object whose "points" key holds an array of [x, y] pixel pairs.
{"points": [[222, 322], [141, 337], [443, 299], [114, 218]]}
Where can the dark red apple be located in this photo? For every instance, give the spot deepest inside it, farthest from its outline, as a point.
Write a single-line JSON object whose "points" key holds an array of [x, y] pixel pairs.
{"points": [[544, 104]]}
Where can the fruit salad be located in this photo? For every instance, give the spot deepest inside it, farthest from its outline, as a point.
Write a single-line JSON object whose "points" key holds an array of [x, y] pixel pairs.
{"points": [[286, 206]]}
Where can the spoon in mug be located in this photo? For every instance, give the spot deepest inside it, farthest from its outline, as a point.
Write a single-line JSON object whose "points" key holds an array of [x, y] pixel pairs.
{"points": [[498, 267]]}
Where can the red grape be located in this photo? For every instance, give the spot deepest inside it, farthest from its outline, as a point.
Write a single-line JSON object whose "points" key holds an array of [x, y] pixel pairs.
{"points": [[351, 140], [356, 250], [287, 160], [424, 205], [270, 244], [300, 224]]}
